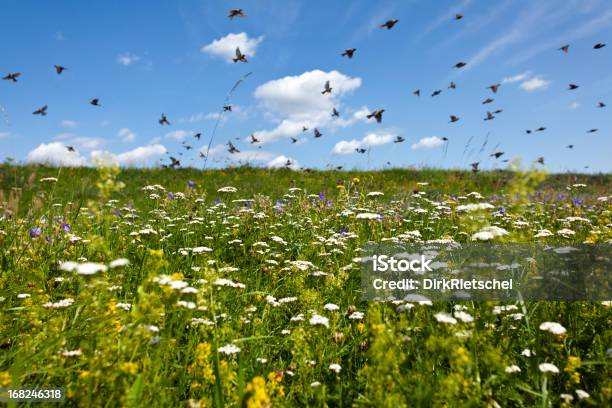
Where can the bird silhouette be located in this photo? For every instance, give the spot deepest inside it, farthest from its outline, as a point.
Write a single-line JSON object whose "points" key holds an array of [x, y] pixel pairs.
{"points": [[95, 102], [540, 129], [599, 46], [326, 89], [231, 148], [572, 87], [498, 111], [601, 105], [453, 119], [489, 116], [571, 146], [254, 139], [41, 111], [304, 129], [239, 56], [528, 131], [360, 150], [377, 114], [349, 52], [197, 136], [475, 168], [59, 69], [227, 108], [163, 120], [452, 85], [494, 87], [488, 100], [460, 65], [317, 134], [592, 130], [436, 92], [70, 148], [417, 92], [399, 139], [335, 113], [389, 24], [541, 160], [565, 48], [458, 16], [175, 162], [497, 155], [12, 76], [235, 13], [293, 140]]}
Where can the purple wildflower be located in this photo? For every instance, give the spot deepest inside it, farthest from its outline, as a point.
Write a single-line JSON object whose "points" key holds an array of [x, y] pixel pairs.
{"points": [[35, 232], [170, 194], [66, 227], [191, 184]]}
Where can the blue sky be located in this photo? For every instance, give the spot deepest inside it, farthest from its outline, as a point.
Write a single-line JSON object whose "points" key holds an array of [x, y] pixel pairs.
{"points": [[144, 58]]}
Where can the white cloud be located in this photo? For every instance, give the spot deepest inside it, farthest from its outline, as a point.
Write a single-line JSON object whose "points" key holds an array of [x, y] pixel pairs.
{"points": [[178, 135], [126, 135], [372, 139], [225, 47], [516, 78], [68, 124], [126, 59], [5, 135], [55, 154], [82, 142], [428, 143], [534, 84], [220, 151], [296, 101], [139, 156], [281, 161]]}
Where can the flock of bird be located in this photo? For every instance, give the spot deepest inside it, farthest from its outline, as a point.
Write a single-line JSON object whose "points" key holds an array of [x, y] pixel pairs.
{"points": [[377, 115]]}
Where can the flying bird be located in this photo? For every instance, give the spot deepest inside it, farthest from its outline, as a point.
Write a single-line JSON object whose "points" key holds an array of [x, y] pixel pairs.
{"points": [[389, 24], [254, 139], [293, 140], [70, 148], [571, 146], [417, 92], [326, 89], [541, 160], [540, 129], [475, 168], [489, 116], [349, 52], [317, 134], [458, 16], [335, 113], [12, 76], [235, 13], [453, 119], [565, 48], [452, 85], [163, 120], [227, 108], [494, 87], [59, 69], [488, 100], [197, 136], [399, 139], [436, 92], [231, 148], [497, 155], [601, 105], [572, 87], [460, 64], [497, 112], [95, 102], [599, 46], [528, 131], [592, 130], [360, 150], [304, 128], [239, 56], [41, 111], [377, 114], [175, 162]]}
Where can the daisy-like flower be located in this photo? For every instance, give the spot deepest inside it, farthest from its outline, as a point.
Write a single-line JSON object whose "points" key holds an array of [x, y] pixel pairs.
{"points": [[229, 349], [356, 316], [554, 328], [527, 353], [367, 216], [445, 318], [335, 367], [548, 368], [71, 353], [474, 207], [375, 194], [543, 234], [566, 232], [87, 268], [227, 189], [464, 316], [201, 249], [488, 233], [331, 307], [119, 262], [512, 369], [582, 394], [319, 320], [60, 304]]}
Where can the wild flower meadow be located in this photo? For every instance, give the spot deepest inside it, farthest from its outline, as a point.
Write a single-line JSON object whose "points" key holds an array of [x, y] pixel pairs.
{"points": [[240, 287]]}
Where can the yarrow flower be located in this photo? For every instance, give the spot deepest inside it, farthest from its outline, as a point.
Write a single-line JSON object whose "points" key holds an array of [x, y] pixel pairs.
{"points": [[512, 369], [548, 368], [335, 368], [445, 318], [554, 328], [229, 349], [319, 320]]}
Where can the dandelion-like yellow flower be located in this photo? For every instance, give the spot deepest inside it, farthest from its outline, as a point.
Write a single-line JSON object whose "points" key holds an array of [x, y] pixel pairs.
{"points": [[259, 397], [5, 379]]}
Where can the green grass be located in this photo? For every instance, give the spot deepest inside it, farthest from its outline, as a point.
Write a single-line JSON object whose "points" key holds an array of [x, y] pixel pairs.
{"points": [[163, 349]]}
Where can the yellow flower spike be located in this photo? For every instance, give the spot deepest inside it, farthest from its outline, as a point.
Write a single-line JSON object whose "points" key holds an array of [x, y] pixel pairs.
{"points": [[360, 327], [5, 379], [356, 180], [259, 397]]}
